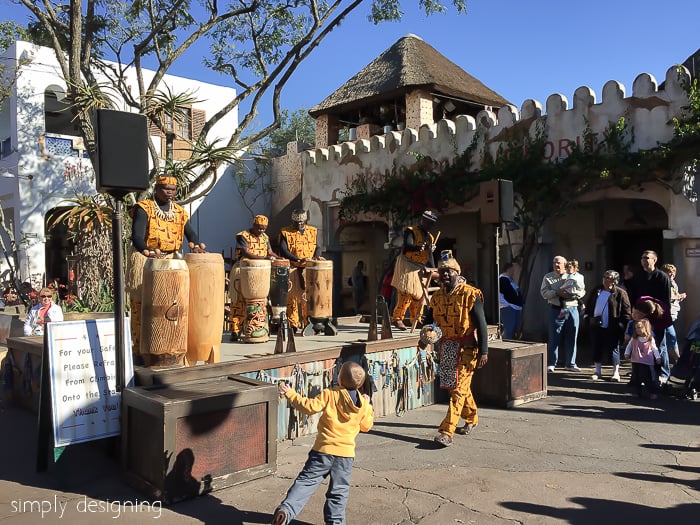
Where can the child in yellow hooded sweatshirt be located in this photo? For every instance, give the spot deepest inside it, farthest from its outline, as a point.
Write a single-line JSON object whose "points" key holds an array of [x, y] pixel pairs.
{"points": [[344, 413]]}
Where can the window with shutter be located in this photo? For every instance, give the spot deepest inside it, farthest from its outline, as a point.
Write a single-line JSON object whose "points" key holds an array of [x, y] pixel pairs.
{"points": [[185, 131], [199, 118]]}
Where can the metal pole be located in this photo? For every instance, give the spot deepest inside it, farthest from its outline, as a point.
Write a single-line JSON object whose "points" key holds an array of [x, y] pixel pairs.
{"points": [[498, 283], [118, 257]]}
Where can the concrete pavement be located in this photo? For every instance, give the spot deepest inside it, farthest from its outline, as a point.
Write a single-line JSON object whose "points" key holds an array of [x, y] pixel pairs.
{"points": [[589, 453]]}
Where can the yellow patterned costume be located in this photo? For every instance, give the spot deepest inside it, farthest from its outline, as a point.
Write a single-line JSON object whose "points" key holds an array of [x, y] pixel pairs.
{"points": [[162, 234], [256, 246], [165, 235], [458, 351], [303, 246], [405, 300]]}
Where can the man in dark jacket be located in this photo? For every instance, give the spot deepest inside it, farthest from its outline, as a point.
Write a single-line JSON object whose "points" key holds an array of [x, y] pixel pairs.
{"points": [[652, 282], [609, 309]]}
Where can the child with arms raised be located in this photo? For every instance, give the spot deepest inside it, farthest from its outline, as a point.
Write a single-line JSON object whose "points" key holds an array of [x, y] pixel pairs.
{"points": [[344, 413]]}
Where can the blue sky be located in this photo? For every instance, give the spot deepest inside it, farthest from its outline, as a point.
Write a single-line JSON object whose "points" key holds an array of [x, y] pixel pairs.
{"points": [[521, 49]]}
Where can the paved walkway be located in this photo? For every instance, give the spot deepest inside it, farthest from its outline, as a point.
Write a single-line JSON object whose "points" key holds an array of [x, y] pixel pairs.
{"points": [[590, 453]]}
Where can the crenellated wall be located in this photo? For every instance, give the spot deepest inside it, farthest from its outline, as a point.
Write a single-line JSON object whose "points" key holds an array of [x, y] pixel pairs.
{"points": [[648, 111]]}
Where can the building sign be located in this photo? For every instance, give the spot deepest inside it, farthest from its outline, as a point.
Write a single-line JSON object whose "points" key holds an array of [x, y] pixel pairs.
{"points": [[692, 252], [82, 364]]}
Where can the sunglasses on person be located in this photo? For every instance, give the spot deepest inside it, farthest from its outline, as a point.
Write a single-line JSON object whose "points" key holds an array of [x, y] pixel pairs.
{"points": [[46, 296]]}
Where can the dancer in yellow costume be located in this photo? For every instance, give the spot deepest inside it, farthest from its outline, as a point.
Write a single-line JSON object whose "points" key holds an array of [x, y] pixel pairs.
{"points": [[250, 244], [158, 228], [457, 308], [411, 266], [298, 244]]}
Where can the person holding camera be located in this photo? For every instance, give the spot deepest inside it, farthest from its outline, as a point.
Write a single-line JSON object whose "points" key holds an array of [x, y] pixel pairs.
{"points": [[609, 307]]}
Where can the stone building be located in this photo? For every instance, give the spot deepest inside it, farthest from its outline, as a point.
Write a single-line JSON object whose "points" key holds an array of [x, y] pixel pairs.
{"points": [[411, 101]]}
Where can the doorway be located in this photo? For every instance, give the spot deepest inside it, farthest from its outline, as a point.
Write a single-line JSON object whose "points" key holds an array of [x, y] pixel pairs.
{"points": [[625, 247], [58, 248]]}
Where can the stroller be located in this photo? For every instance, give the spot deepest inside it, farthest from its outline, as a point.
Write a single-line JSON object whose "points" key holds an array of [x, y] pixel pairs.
{"points": [[685, 374]]}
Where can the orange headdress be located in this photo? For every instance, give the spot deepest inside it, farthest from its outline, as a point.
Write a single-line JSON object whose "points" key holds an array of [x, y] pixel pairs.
{"points": [[163, 180]]}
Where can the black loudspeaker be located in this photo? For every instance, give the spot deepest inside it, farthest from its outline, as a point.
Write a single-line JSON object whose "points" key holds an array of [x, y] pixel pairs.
{"points": [[496, 201], [122, 152]]}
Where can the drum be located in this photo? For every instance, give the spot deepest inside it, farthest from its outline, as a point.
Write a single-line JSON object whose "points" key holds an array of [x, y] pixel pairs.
{"points": [[279, 286], [319, 289], [254, 286], [254, 278], [206, 314], [164, 312]]}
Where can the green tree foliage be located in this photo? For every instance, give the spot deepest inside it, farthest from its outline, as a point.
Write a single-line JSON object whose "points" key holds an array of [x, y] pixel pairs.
{"points": [[10, 32], [258, 45], [299, 126]]}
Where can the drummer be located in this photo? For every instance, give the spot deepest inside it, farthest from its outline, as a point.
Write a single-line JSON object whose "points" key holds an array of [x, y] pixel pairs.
{"points": [[158, 227], [250, 244], [298, 244], [418, 246]]}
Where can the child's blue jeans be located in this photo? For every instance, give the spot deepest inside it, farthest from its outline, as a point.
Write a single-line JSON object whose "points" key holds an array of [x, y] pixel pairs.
{"points": [[319, 466]]}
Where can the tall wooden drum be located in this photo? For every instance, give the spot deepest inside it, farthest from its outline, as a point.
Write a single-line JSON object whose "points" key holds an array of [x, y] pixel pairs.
{"points": [[319, 289], [206, 323], [254, 286], [164, 312], [279, 287]]}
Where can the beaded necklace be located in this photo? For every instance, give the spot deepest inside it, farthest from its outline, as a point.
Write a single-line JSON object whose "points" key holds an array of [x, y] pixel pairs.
{"points": [[165, 215]]}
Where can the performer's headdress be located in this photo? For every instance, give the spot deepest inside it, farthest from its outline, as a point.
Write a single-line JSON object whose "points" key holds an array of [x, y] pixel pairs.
{"points": [[162, 180], [299, 216], [429, 216], [260, 220], [447, 261]]}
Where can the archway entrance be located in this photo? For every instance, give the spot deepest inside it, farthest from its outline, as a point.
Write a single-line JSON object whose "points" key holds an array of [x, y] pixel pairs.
{"points": [[61, 268], [626, 247]]}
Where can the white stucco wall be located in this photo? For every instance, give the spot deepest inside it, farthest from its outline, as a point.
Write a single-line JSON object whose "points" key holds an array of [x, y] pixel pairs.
{"points": [[23, 120], [225, 212]]}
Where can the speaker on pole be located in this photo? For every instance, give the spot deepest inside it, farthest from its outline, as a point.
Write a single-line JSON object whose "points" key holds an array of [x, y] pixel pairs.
{"points": [[122, 152], [496, 198], [122, 167]]}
